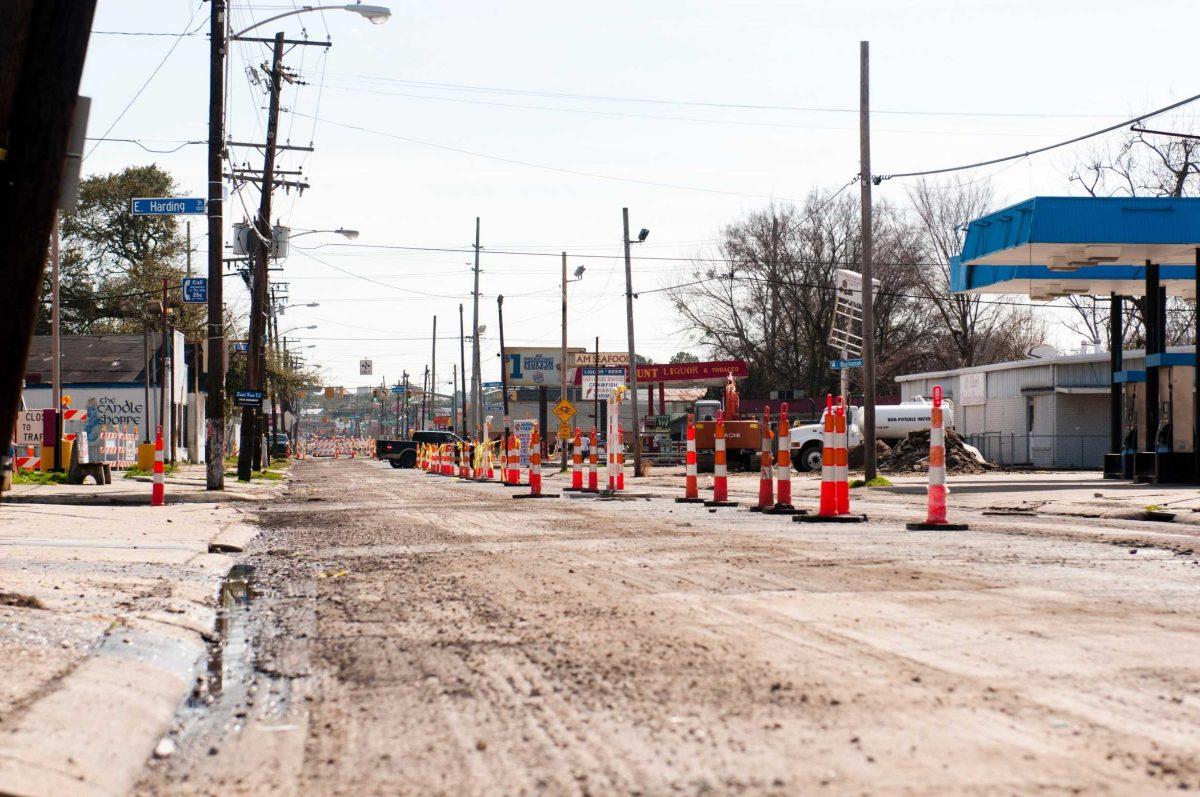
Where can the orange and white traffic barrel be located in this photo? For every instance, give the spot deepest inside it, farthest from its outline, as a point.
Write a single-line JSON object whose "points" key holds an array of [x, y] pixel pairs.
{"points": [[512, 459], [935, 519], [691, 487], [841, 460], [766, 486], [720, 468], [158, 489]]}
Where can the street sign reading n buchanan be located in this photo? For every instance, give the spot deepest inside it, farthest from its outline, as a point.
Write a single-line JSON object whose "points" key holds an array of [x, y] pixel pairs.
{"points": [[167, 206]]}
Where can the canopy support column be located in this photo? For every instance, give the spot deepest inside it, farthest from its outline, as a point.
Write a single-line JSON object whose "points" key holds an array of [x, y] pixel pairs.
{"points": [[1151, 306], [1116, 364]]}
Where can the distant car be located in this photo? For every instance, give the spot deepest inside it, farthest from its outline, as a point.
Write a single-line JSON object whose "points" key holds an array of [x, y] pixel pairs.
{"points": [[280, 445], [403, 453]]}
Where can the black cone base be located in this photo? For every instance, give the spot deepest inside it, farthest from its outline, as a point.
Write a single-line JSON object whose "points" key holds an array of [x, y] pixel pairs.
{"points": [[829, 518], [937, 527]]}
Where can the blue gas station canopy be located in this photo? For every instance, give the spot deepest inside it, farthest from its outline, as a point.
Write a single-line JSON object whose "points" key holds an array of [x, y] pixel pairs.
{"points": [[1048, 247]]}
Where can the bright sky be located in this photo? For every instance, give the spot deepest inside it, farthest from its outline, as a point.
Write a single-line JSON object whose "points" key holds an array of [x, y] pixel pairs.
{"points": [[693, 113]]}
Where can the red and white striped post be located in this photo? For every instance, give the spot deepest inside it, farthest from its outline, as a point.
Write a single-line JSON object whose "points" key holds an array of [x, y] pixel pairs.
{"points": [[720, 467], [593, 485], [620, 458], [158, 489], [691, 488], [783, 467], [766, 487], [535, 468], [835, 472], [935, 519]]}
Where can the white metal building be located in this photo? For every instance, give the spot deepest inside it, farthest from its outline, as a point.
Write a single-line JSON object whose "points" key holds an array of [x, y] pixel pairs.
{"points": [[1046, 412]]}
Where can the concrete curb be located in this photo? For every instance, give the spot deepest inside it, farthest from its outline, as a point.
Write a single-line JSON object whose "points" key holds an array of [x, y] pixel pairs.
{"points": [[93, 734], [232, 539]]}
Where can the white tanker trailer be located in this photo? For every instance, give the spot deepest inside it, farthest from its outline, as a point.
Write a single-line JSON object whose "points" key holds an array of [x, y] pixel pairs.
{"points": [[892, 422]]}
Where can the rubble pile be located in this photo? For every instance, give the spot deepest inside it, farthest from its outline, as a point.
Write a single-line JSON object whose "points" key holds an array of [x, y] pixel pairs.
{"points": [[912, 455]]}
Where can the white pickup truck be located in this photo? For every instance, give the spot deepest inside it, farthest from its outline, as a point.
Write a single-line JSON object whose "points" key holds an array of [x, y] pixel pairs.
{"points": [[892, 422]]}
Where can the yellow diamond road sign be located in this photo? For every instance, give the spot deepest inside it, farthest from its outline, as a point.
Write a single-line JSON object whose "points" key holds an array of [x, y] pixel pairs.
{"points": [[565, 411]]}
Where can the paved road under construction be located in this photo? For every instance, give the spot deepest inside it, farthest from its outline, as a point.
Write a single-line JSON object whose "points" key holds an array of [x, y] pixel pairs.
{"points": [[400, 633]]}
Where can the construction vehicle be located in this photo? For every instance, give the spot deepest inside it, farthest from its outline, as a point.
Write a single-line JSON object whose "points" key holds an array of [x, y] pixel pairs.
{"points": [[743, 436]]}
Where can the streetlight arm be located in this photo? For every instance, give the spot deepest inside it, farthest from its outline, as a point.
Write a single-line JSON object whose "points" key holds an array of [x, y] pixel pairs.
{"points": [[372, 13]]}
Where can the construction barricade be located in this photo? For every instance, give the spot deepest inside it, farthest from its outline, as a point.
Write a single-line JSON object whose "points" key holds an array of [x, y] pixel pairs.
{"points": [[158, 488], [593, 480], [576, 463], [783, 468], [834, 504], [766, 484], [935, 519]]}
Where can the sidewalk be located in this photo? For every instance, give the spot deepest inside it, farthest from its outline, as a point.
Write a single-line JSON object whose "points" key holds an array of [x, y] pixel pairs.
{"points": [[105, 604]]}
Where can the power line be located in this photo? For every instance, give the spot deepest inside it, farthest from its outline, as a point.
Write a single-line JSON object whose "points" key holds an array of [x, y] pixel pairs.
{"points": [[880, 178], [140, 143], [149, 79], [544, 167]]}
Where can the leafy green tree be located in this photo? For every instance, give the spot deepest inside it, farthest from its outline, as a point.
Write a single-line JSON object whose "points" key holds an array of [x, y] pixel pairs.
{"points": [[112, 263], [684, 357]]}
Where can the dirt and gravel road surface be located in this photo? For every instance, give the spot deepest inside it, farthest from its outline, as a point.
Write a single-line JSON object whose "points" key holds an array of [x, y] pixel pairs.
{"points": [[408, 634]]}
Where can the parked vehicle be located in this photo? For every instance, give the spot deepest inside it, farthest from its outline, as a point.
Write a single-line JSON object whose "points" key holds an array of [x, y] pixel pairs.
{"points": [[403, 453], [892, 422], [280, 444]]}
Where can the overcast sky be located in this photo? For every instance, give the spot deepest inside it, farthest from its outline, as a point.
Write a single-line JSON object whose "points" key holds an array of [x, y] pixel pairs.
{"points": [[545, 119]]}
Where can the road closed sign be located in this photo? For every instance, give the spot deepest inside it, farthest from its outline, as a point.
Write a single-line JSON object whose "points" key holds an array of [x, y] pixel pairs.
{"points": [[29, 428]]}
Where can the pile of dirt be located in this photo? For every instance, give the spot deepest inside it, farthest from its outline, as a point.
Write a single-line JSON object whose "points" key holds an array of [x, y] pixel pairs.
{"points": [[912, 454], [855, 455]]}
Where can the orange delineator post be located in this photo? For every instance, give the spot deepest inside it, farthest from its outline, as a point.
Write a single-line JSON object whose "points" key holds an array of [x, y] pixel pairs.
{"points": [[691, 489], [766, 491], [577, 464], [720, 468], [783, 467], [593, 477], [841, 461], [935, 519], [835, 472], [158, 489], [620, 458], [512, 465], [535, 468]]}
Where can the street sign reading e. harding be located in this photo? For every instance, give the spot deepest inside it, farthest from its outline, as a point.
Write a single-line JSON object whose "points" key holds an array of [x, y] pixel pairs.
{"points": [[167, 206]]}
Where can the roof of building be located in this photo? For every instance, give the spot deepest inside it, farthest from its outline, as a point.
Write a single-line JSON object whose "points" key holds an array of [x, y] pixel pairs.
{"points": [[1033, 362], [89, 358], [1058, 246]]}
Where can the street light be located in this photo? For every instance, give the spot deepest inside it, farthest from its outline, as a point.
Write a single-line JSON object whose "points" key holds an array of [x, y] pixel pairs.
{"points": [[633, 385], [376, 15], [351, 234], [293, 329]]}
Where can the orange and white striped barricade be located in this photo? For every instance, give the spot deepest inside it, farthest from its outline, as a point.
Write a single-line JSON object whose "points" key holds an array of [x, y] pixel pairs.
{"points": [[935, 519], [158, 488], [783, 468], [691, 486], [576, 464], [602, 463], [447, 459], [766, 484], [27, 462], [535, 469], [835, 471], [720, 468]]}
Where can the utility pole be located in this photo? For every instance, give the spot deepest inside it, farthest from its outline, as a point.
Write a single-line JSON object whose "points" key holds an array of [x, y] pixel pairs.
{"points": [[403, 431], [454, 396], [214, 405], [562, 387], [262, 251], [462, 371], [424, 397], [596, 387], [868, 288], [503, 369], [56, 344], [633, 385], [476, 377], [164, 362], [433, 373]]}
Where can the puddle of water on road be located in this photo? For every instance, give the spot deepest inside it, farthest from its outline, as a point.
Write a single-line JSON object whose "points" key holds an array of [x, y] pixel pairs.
{"points": [[229, 655]]}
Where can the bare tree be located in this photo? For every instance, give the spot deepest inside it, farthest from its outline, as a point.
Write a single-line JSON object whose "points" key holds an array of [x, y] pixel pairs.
{"points": [[971, 329]]}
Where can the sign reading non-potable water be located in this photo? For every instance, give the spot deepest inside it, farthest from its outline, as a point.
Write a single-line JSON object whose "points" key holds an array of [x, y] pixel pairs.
{"points": [[167, 206]]}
